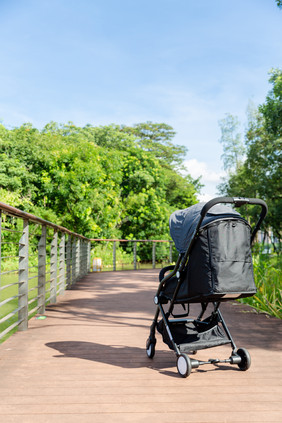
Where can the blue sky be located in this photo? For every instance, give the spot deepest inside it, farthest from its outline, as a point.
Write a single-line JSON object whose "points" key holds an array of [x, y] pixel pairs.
{"points": [[182, 62]]}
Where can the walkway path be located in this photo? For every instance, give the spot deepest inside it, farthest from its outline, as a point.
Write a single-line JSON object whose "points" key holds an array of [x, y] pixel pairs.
{"points": [[86, 363]]}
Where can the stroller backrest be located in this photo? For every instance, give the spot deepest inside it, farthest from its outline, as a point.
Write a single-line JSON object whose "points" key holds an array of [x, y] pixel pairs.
{"points": [[220, 262], [182, 223]]}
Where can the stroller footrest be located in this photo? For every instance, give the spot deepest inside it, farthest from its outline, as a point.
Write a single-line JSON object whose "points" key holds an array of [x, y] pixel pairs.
{"points": [[195, 346]]}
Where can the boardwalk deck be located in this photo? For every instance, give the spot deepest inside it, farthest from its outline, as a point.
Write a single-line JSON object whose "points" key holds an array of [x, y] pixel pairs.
{"points": [[86, 362]]}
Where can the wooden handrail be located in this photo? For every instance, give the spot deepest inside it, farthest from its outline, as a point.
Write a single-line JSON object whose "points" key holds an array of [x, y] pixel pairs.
{"points": [[13, 211]]}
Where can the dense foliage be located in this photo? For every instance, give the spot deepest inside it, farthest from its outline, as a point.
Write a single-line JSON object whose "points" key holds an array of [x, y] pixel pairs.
{"points": [[267, 273], [258, 174], [103, 182]]}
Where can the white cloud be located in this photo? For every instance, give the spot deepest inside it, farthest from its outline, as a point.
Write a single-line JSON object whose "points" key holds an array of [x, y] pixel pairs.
{"points": [[197, 168], [209, 177]]}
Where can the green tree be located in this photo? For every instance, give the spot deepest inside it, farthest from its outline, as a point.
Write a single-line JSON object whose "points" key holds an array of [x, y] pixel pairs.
{"points": [[233, 147], [272, 108], [145, 209], [157, 139], [260, 174], [99, 181], [181, 191]]}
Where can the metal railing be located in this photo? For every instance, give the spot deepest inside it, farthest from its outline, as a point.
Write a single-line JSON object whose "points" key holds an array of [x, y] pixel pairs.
{"points": [[156, 257], [38, 261]]}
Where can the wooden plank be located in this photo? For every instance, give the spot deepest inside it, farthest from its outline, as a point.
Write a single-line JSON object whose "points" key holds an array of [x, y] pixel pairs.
{"points": [[86, 362]]}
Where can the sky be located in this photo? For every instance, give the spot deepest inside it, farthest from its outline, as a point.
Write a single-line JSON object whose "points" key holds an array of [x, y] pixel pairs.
{"points": [[186, 63]]}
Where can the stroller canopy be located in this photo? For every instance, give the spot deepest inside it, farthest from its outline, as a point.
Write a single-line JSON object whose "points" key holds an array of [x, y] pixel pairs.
{"points": [[182, 223]]}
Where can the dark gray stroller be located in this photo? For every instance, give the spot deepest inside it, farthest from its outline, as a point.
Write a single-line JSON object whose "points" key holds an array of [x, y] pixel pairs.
{"points": [[214, 265]]}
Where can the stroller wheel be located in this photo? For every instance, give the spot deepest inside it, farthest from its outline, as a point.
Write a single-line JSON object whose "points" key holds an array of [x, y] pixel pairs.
{"points": [[150, 349], [184, 365], [245, 359]]}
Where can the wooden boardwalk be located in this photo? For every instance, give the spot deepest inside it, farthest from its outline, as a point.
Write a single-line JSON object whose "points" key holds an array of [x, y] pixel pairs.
{"points": [[86, 362]]}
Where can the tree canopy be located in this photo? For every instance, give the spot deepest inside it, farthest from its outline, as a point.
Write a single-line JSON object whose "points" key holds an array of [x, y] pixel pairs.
{"points": [[104, 182], [233, 148], [259, 175]]}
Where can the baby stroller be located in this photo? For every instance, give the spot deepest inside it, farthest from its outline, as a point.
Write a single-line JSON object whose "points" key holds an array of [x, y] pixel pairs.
{"points": [[214, 265]]}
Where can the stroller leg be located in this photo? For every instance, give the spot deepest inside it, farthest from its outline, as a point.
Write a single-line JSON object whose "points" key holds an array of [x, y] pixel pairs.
{"points": [[204, 307], [151, 341], [234, 348], [154, 324], [240, 356]]}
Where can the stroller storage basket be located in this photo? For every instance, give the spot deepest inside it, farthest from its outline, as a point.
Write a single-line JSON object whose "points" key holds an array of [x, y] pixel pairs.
{"points": [[195, 335], [220, 265]]}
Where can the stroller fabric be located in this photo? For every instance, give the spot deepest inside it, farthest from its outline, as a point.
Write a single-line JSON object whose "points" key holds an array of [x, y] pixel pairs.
{"points": [[220, 263], [182, 223]]}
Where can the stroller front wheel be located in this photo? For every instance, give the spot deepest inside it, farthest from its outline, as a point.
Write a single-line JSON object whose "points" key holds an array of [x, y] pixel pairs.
{"points": [[184, 365], [150, 349], [245, 359]]}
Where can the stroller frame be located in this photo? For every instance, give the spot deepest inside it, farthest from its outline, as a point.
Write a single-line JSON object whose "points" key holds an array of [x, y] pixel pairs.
{"points": [[215, 322]]}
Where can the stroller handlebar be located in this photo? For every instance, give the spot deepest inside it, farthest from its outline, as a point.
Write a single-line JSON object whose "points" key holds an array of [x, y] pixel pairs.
{"points": [[238, 202]]}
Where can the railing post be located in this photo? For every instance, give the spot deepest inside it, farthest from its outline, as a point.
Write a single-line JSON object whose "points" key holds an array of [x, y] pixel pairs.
{"points": [[68, 282], [62, 268], [86, 268], [53, 268], [170, 251], [23, 278], [154, 255], [78, 252], [78, 249], [134, 254], [81, 260], [88, 255], [114, 256], [83, 257], [74, 262], [42, 270]]}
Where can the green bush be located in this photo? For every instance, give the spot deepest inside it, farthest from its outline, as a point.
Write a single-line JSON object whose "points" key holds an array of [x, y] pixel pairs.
{"points": [[267, 272]]}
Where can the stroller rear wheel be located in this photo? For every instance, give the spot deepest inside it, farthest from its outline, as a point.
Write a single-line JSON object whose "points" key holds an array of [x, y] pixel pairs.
{"points": [[245, 359], [184, 365], [150, 348]]}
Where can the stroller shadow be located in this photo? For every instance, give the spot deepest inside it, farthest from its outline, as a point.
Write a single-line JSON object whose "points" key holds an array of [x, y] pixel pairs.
{"points": [[116, 355], [122, 356]]}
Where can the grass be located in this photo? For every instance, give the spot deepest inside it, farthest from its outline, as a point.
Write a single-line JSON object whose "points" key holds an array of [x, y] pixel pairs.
{"points": [[12, 291], [267, 273]]}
